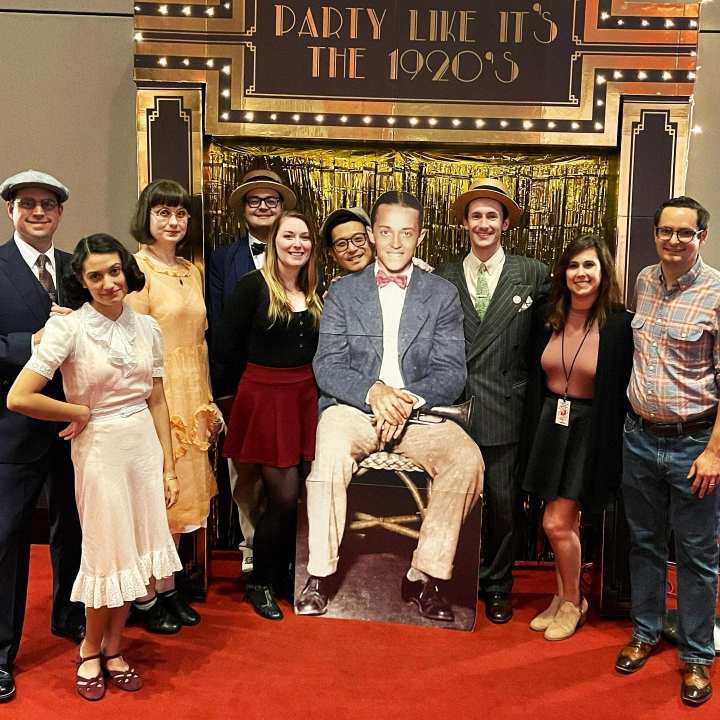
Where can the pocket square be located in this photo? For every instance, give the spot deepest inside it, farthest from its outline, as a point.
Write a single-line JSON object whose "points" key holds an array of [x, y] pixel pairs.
{"points": [[528, 302]]}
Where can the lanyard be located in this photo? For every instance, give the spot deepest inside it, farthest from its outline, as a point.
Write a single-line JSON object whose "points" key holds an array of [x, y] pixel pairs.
{"points": [[572, 365]]}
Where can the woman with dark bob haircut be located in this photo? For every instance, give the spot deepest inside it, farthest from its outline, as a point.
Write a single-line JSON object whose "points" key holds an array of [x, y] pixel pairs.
{"points": [[111, 360], [576, 405], [173, 295]]}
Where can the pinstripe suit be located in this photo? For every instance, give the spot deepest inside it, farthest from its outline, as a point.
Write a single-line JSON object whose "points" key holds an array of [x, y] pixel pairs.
{"points": [[496, 350]]}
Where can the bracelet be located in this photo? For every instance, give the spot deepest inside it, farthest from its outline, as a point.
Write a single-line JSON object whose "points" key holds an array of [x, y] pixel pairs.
{"points": [[170, 476]]}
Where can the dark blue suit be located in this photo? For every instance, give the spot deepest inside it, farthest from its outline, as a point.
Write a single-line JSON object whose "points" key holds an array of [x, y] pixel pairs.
{"points": [[30, 454], [226, 265]]}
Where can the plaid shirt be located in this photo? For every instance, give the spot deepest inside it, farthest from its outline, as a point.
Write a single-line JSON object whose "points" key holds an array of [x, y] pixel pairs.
{"points": [[676, 365]]}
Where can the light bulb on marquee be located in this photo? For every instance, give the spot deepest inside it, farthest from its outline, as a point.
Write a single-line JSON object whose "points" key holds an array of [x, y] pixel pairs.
{"points": [[249, 116], [432, 122], [504, 123], [226, 69], [413, 121], [527, 124], [666, 75], [391, 121], [319, 118], [225, 116], [600, 79], [617, 75], [551, 125], [367, 119], [296, 117], [210, 11], [225, 93], [187, 10], [162, 61], [479, 123], [163, 9], [456, 122], [273, 116], [598, 126], [343, 118], [575, 126], [642, 75], [138, 37], [186, 62]]}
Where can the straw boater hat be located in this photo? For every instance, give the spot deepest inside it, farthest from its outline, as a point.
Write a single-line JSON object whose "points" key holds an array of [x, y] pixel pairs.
{"points": [[493, 190], [256, 179]]}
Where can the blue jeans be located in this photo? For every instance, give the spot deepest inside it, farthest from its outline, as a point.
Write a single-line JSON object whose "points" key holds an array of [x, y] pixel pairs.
{"points": [[657, 499]]}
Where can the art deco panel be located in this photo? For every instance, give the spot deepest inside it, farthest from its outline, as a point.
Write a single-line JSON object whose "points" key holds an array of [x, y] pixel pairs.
{"points": [[520, 71]]}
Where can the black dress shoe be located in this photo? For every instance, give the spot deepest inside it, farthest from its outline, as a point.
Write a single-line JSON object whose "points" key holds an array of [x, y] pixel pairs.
{"points": [[176, 606], [426, 595], [696, 687], [263, 601], [155, 620], [75, 633], [7, 684], [498, 607], [314, 598]]}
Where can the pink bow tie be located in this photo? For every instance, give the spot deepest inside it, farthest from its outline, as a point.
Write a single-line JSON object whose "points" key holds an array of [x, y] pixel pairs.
{"points": [[382, 279]]}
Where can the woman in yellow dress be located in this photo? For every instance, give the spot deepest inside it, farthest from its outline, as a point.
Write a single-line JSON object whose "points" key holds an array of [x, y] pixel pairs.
{"points": [[173, 295]]}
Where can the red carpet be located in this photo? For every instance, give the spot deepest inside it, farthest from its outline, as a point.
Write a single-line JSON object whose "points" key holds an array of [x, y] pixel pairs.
{"points": [[236, 665]]}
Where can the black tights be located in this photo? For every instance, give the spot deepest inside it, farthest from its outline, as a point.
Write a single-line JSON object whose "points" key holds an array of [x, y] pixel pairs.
{"points": [[274, 541]]}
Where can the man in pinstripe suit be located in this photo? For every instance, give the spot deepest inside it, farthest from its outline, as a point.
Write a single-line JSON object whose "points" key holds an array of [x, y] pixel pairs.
{"points": [[499, 293]]}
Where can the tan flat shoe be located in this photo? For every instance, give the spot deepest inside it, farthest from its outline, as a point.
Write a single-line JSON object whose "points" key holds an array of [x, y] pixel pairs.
{"points": [[568, 619], [541, 621]]}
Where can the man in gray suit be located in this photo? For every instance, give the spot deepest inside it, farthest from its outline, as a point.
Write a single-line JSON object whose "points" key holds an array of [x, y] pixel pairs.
{"points": [[499, 293], [391, 340]]}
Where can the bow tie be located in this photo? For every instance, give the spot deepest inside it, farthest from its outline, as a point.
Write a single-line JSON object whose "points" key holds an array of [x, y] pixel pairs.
{"points": [[257, 247], [382, 279]]}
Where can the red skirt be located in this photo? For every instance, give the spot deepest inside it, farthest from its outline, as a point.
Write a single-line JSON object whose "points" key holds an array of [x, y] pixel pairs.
{"points": [[274, 416]]}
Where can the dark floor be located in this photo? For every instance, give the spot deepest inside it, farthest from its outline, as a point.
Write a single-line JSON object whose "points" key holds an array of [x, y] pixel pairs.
{"points": [[373, 562]]}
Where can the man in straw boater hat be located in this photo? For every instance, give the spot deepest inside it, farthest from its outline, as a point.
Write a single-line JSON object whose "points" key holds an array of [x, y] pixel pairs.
{"points": [[32, 455], [499, 293], [259, 200]]}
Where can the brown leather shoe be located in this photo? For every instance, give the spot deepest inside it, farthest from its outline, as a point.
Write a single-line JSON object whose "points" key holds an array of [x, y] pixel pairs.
{"points": [[696, 687], [633, 656]]}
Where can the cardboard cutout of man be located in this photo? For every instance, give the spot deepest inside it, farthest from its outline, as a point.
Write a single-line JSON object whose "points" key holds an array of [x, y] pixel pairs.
{"points": [[260, 198], [499, 293], [391, 341], [31, 453]]}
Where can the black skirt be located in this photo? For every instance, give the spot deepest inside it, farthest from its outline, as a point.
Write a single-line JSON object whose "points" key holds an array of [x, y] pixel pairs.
{"points": [[557, 464]]}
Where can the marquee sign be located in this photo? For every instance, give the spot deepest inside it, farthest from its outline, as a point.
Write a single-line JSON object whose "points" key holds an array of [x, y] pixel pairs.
{"points": [[529, 71]]}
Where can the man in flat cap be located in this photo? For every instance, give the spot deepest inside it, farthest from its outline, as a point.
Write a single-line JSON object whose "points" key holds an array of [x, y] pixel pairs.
{"points": [[31, 452], [345, 232], [258, 200], [499, 293]]}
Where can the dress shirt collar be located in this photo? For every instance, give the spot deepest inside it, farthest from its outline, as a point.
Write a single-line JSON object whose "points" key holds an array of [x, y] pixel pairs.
{"points": [[684, 281], [30, 254], [493, 264], [407, 273]]}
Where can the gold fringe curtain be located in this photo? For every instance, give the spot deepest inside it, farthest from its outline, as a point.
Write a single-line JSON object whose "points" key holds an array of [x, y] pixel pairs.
{"points": [[563, 195]]}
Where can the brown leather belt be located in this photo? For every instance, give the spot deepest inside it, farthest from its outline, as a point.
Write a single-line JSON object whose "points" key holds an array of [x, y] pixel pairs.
{"points": [[675, 429]]}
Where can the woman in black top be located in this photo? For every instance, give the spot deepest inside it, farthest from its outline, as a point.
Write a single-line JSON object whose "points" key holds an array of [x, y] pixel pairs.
{"points": [[269, 333]]}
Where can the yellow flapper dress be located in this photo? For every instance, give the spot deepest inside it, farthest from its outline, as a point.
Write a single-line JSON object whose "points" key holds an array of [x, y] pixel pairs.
{"points": [[174, 297]]}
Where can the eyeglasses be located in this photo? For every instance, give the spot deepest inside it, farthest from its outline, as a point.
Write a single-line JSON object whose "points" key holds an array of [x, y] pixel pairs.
{"points": [[28, 203], [165, 213], [359, 240], [255, 202], [684, 235]]}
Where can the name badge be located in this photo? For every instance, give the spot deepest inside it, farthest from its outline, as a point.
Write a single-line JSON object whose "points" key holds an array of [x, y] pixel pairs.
{"points": [[562, 414]]}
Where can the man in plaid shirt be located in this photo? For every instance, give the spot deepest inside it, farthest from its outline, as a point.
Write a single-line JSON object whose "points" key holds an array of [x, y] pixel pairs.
{"points": [[671, 454]]}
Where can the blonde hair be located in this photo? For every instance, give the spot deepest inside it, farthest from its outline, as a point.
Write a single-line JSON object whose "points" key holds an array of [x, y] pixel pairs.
{"points": [[280, 307]]}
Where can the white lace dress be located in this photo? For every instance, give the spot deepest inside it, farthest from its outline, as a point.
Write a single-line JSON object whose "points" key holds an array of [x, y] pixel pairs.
{"points": [[109, 366]]}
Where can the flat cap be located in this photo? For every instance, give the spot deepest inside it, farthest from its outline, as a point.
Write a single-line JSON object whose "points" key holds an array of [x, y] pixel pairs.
{"points": [[342, 215], [33, 178]]}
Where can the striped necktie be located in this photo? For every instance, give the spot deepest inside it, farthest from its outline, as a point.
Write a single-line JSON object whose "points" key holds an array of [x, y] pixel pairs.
{"points": [[482, 293], [45, 277]]}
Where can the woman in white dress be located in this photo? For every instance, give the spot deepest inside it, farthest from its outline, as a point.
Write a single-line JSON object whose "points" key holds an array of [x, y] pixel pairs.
{"points": [[111, 362]]}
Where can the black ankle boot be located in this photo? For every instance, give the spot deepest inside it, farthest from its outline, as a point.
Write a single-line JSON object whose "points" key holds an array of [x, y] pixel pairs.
{"points": [[177, 606], [155, 620], [263, 601]]}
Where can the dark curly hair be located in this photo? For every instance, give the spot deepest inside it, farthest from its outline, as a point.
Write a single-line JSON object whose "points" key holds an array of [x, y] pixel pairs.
{"points": [[159, 192], [609, 295], [75, 293]]}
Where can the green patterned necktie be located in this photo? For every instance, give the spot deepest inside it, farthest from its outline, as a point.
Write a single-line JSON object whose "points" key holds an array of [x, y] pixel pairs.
{"points": [[482, 293]]}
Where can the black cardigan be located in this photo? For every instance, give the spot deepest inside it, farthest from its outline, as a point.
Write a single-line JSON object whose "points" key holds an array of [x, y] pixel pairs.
{"points": [[610, 404]]}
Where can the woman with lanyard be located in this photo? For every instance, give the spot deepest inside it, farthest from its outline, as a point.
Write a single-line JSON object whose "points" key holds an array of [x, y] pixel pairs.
{"points": [[575, 410]]}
